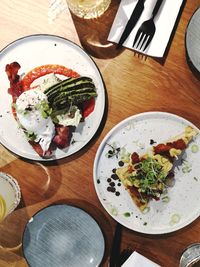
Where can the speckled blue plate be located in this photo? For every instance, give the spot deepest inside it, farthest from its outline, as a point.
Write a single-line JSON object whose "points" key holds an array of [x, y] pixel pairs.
{"points": [[63, 236], [192, 40]]}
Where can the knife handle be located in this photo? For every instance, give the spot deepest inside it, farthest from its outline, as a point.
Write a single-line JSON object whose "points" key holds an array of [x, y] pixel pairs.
{"points": [[115, 250], [156, 8], [139, 6]]}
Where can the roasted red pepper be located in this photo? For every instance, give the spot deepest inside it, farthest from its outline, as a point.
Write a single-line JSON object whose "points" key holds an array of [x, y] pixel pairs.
{"points": [[46, 69]]}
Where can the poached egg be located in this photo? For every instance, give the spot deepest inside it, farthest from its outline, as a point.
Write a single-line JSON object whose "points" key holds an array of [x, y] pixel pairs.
{"points": [[29, 109]]}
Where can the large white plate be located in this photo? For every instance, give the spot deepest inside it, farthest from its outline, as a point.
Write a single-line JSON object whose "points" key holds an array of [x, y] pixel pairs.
{"points": [[33, 51], [63, 236], [135, 134]]}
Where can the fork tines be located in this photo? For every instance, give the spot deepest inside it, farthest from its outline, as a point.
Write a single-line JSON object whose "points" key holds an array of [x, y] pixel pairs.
{"points": [[142, 41]]}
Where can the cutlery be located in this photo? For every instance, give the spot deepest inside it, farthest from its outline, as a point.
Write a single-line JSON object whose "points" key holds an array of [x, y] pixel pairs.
{"points": [[132, 22], [115, 249], [147, 30], [124, 255]]}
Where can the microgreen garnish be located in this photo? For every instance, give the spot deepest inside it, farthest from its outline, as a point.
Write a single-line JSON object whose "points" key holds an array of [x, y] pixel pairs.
{"points": [[44, 108], [30, 135], [113, 151], [149, 177]]}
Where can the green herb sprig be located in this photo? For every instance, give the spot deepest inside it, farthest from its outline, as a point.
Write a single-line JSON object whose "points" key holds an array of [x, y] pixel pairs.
{"points": [[149, 177], [113, 151]]}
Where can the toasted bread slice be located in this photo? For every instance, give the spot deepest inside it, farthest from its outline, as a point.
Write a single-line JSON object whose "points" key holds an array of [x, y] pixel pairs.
{"points": [[145, 177]]}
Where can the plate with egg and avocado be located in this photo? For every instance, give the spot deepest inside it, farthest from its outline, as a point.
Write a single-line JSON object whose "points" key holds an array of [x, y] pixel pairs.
{"points": [[146, 172], [51, 100]]}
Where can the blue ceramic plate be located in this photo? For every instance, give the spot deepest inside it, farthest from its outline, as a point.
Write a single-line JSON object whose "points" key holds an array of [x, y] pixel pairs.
{"points": [[192, 40], [63, 236]]}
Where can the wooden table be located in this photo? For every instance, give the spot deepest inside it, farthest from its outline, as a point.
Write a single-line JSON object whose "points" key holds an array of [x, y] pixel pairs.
{"points": [[134, 84]]}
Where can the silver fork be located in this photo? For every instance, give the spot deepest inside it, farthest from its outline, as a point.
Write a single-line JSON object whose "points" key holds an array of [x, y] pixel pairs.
{"points": [[147, 30]]}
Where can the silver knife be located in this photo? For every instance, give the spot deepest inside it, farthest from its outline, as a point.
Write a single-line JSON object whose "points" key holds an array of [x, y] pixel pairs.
{"points": [[132, 21]]}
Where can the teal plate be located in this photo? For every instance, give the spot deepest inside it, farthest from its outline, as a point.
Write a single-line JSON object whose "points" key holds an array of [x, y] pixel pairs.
{"points": [[192, 40], [63, 236]]}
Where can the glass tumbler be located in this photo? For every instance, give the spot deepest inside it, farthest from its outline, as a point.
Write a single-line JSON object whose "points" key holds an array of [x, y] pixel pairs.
{"points": [[88, 9], [10, 195], [191, 256]]}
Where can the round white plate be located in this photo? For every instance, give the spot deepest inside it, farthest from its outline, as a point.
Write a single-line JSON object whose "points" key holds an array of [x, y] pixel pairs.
{"points": [[192, 40], [33, 51], [136, 134], [63, 236]]}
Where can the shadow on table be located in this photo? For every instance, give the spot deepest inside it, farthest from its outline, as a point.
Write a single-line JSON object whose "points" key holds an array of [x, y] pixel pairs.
{"points": [[37, 181], [93, 33], [151, 246], [192, 67], [11, 231], [10, 259]]}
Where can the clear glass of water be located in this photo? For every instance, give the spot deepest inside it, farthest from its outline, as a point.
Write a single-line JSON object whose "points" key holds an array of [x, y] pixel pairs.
{"points": [[88, 9], [191, 256]]}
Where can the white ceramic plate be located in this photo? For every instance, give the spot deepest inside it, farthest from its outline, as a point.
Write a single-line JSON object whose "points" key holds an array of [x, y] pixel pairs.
{"points": [[33, 51], [192, 40], [135, 134], [63, 236]]}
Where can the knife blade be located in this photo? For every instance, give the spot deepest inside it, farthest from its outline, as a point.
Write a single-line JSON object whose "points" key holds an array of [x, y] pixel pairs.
{"points": [[132, 22], [115, 250]]}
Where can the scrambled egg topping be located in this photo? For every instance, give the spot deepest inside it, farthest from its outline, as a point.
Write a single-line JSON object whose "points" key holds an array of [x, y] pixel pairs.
{"points": [[164, 162], [189, 133], [150, 175]]}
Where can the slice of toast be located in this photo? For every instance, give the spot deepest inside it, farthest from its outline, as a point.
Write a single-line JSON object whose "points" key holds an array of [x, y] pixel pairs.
{"points": [[145, 177]]}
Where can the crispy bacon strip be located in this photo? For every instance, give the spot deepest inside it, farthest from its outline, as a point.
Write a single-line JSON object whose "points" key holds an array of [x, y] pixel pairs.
{"points": [[39, 150], [16, 86], [62, 137]]}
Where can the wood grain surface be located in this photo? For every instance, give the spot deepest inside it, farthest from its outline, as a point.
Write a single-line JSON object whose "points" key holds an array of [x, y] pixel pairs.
{"points": [[134, 84]]}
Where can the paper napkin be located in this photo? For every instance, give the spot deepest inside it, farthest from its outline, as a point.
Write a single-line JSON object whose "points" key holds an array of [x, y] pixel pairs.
{"points": [[137, 260], [164, 22]]}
